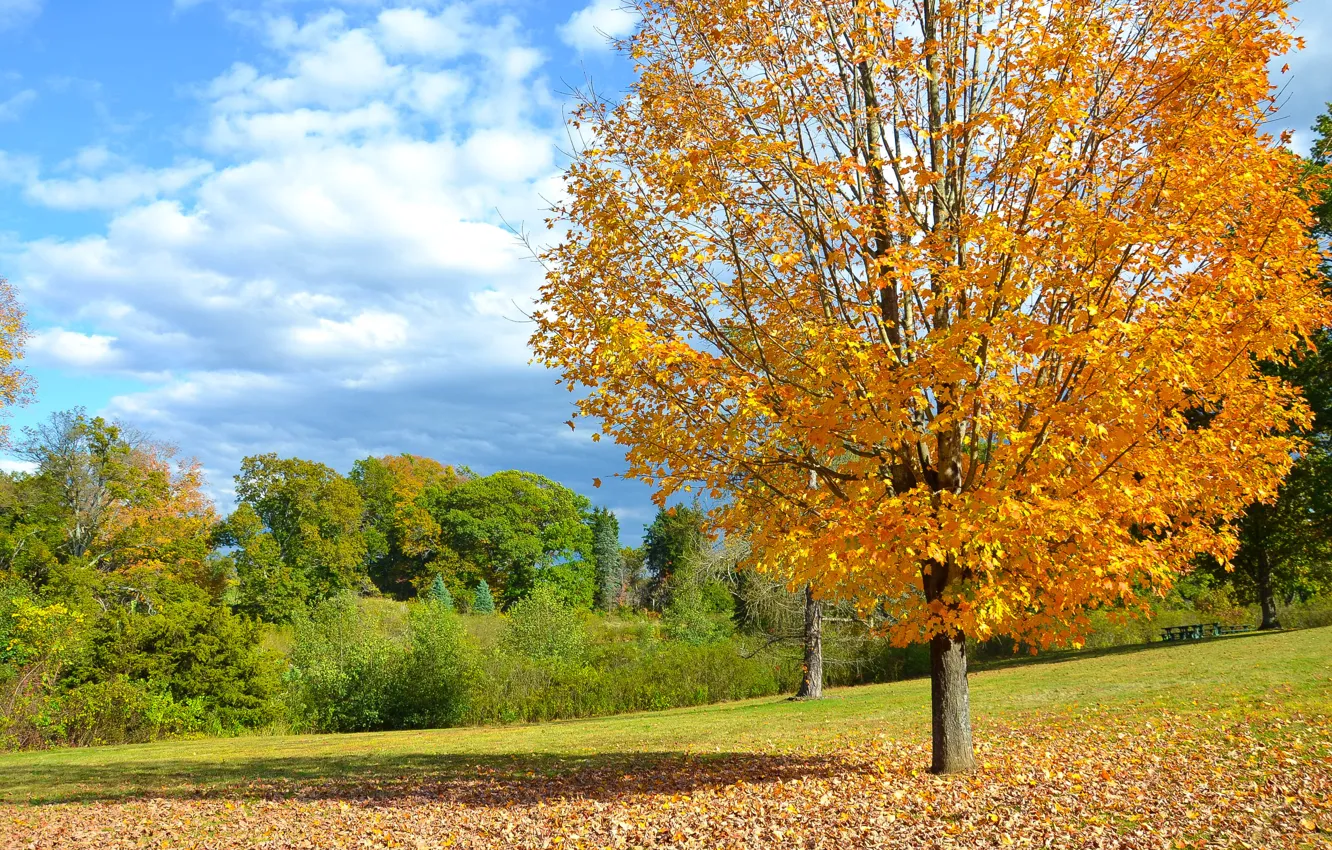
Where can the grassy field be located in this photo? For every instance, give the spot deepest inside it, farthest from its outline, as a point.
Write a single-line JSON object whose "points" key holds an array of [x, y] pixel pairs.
{"points": [[1216, 682]]}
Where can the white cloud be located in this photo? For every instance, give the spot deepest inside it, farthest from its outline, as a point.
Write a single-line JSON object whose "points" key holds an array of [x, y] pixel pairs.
{"points": [[14, 13], [115, 190], [90, 159], [348, 243], [341, 281], [592, 27], [12, 107], [417, 31], [12, 465], [370, 330], [70, 348]]}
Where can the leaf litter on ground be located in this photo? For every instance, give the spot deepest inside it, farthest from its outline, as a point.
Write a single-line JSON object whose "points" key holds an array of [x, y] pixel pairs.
{"points": [[1096, 779]]}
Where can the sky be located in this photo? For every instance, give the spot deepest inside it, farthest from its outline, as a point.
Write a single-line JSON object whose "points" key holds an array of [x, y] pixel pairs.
{"points": [[251, 226]]}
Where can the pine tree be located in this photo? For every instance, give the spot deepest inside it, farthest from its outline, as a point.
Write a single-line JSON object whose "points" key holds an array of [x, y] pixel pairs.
{"points": [[606, 554], [484, 602], [439, 593]]}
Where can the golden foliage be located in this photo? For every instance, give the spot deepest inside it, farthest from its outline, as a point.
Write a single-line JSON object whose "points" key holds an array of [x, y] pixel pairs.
{"points": [[160, 520], [15, 385], [955, 305], [410, 475]]}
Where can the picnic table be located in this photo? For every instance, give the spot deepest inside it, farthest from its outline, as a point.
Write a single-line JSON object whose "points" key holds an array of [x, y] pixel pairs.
{"points": [[1198, 631]]}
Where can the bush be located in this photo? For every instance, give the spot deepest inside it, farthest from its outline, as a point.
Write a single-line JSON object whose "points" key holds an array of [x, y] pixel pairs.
{"points": [[120, 710], [38, 643], [170, 661], [698, 614], [544, 629], [438, 671], [637, 676], [356, 669], [181, 643], [344, 671]]}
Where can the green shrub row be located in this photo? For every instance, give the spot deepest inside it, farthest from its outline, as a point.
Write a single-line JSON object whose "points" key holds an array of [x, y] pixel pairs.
{"points": [[351, 672]]}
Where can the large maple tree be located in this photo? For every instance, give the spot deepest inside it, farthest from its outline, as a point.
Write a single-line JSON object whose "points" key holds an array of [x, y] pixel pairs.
{"points": [[955, 307]]}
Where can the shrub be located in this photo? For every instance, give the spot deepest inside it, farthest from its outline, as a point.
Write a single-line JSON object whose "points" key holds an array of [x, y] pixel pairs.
{"points": [[344, 669], [120, 710], [37, 642], [625, 677], [699, 611], [544, 629], [438, 671], [181, 643], [354, 668]]}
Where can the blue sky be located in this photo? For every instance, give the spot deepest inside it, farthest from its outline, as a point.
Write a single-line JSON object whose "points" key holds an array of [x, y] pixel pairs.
{"points": [[277, 225]]}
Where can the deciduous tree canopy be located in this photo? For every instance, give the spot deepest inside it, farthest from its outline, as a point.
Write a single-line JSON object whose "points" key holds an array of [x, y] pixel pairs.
{"points": [[930, 295]]}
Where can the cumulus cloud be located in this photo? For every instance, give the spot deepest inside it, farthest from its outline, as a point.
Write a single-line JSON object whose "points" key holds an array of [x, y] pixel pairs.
{"points": [[112, 191], [332, 276], [71, 348], [595, 25]]}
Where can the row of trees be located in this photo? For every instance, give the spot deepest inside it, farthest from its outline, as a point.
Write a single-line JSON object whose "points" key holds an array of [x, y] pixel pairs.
{"points": [[130, 609], [111, 499], [302, 532]]}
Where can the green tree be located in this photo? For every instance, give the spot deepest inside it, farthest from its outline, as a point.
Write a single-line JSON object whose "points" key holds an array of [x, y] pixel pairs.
{"points": [[484, 603], [1320, 161], [675, 535], [82, 468], [606, 554], [313, 514], [516, 530], [267, 587], [439, 593]]}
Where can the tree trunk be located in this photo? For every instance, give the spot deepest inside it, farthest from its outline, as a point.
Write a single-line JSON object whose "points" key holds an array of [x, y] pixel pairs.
{"points": [[950, 705], [811, 687], [1266, 596]]}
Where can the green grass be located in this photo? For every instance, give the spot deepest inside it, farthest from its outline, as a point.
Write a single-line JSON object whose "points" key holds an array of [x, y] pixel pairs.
{"points": [[1223, 677]]}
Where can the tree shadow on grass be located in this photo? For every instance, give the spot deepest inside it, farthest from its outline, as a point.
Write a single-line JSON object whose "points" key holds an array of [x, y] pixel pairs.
{"points": [[468, 780]]}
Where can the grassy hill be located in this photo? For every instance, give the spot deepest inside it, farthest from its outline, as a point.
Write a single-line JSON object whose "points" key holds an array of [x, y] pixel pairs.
{"points": [[1214, 683]]}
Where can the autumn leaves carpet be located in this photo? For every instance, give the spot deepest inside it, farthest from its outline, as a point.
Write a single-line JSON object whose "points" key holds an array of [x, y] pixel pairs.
{"points": [[1093, 780]]}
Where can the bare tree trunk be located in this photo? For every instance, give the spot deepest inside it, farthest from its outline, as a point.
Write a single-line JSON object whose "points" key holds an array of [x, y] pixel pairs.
{"points": [[950, 705], [1266, 596], [811, 687]]}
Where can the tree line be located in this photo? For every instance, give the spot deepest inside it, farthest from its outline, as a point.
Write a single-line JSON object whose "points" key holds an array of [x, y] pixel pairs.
{"points": [[131, 609], [109, 499]]}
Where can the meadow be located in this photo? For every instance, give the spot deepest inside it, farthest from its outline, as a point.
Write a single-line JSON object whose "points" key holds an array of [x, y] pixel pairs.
{"points": [[1224, 742]]}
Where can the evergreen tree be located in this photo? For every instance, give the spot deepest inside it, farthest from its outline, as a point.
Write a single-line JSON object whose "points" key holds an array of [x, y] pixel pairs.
{"points": [[606, 554], [439, 593], [484, 602], [674, 535]]}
